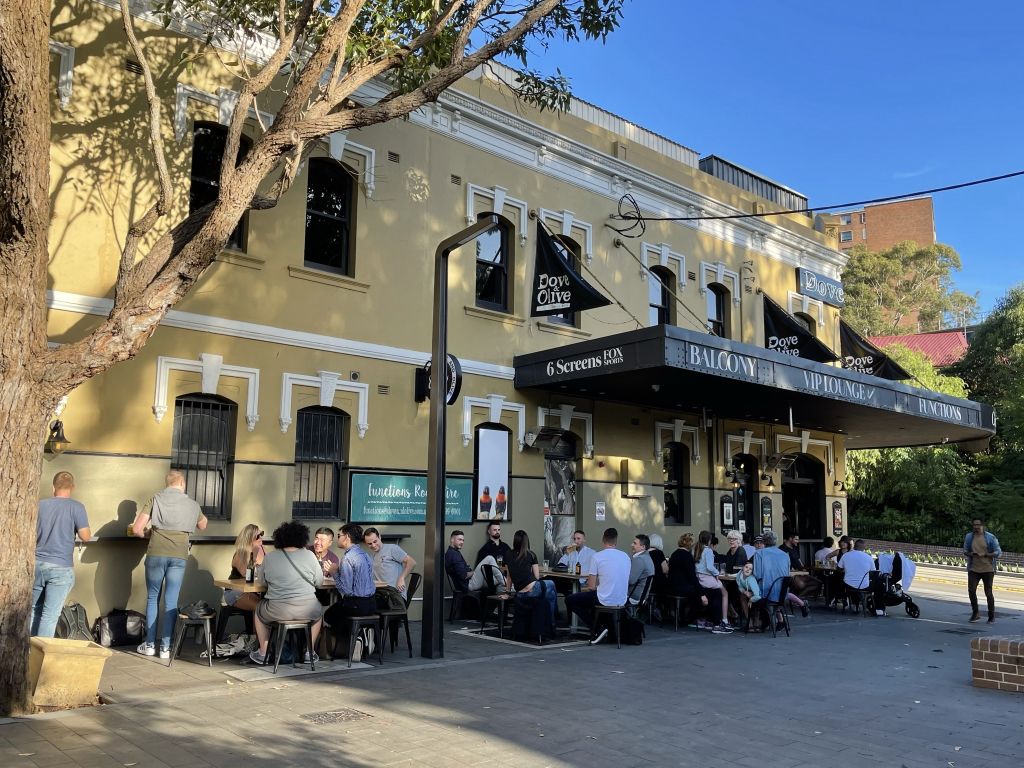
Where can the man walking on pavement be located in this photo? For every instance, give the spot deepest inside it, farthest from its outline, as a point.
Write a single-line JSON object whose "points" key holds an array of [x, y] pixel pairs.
{"points": [[982, 551], [59, 519]]}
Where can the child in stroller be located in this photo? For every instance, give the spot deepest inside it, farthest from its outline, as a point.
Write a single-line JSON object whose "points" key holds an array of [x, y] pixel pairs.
{"points": [[898, 572]]}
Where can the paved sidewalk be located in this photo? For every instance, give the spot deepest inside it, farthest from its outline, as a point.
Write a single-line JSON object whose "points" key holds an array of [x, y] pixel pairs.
{"points": [[841, 692]]}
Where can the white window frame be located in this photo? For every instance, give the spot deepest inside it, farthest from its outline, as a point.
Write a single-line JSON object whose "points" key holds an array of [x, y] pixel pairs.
{"points": [[329, 384], [210, 368]]}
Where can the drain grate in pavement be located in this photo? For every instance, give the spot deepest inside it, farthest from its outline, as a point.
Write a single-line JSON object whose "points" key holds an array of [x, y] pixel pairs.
{"points": [[961, 631], [335, 716]]}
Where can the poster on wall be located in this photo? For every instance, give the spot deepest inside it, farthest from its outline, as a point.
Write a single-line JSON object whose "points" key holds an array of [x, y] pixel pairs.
{"points": [[491, 477], [558, 531], [837, 518], [560, 486], [388, 498]]}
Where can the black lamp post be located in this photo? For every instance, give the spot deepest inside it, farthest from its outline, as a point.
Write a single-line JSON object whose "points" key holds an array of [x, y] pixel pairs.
{"points": [[432, 638]]}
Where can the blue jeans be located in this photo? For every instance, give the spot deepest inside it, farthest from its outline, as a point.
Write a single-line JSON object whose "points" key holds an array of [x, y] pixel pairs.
{"points": [[167, 572], [49, 591], [549, 594]]}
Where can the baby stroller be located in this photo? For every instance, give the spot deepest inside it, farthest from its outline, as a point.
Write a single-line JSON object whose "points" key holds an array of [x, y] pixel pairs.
{"points": [[898, 572]]}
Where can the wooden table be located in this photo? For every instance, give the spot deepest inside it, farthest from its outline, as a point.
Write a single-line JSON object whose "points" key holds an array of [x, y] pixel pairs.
{"points": [[240, 585]]}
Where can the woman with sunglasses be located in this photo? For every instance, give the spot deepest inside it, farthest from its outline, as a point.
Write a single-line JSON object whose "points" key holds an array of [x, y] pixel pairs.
{"points": [[248, 544]]}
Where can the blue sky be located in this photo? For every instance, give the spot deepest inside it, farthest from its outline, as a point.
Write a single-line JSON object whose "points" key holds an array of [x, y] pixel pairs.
{"points": [[841, 102]]}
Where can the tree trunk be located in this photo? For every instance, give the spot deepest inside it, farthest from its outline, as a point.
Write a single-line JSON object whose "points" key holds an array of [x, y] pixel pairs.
{"points": [[21, 443], [26, 398]]}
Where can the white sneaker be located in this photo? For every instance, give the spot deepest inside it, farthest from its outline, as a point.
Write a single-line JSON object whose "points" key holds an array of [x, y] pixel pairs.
{"points": [[315, 658], [370, 642], [147, 649], [600, 636], [357, 651], [165, 652]]}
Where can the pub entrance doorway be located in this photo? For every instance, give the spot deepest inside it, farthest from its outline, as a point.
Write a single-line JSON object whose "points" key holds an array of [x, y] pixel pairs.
{"points": [[803, 503]]}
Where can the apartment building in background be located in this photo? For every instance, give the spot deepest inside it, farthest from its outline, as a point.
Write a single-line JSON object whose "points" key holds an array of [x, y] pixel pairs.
{"points": [[883, 225]]}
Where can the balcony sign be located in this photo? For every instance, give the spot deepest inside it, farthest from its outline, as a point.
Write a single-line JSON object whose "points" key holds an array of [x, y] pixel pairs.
{"points": [[820, 287]]}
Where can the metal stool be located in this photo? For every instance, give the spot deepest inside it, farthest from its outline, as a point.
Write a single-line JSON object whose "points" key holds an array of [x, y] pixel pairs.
{"points": [[615, 611], [281, 635], [356, 624], [385, 621], [224, 616], [184, 622]]}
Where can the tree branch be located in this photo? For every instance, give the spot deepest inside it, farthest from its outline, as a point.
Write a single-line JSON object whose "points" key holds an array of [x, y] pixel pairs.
{"points": [[401, 104], [142, 226], [475, 14]]}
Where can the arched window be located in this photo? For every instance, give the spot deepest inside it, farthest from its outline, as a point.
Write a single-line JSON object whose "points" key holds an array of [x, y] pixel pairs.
{"points": [[571, 252], [718, 309], [661, 305], [203, 447], [675, 468], [208, 143], [806, 321], [493, 267], [321, 461], [330, 190]]}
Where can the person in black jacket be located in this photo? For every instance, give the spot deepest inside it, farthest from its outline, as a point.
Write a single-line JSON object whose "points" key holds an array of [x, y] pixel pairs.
{"points": [[494, 547], [682, 580]]}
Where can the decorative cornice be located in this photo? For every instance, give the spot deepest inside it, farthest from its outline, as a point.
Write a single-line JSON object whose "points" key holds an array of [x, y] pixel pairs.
{"points": [[328, 383], [494, 405], [89, 305], [210, 368]]}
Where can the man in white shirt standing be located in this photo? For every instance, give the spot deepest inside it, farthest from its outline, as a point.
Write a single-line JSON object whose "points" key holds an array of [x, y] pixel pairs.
{"points": [[859, 573], [607, 582]]}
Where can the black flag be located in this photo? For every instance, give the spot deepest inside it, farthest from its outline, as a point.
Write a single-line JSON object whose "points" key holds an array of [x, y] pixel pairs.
{"points": [[782, 333], [557, 288], [861, 355]]}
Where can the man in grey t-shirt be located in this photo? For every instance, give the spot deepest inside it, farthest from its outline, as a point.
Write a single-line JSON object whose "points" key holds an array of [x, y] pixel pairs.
{"points": [[391, 564], [59, 519]]}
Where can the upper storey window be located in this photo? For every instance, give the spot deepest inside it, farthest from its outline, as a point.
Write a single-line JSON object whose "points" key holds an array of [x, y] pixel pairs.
{"points": [[718, 309], [208, 143], [493, 266], [661, 307], [329, 193]]}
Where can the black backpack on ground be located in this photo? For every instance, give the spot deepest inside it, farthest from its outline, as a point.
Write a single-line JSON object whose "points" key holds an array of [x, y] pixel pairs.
{"points": [[120, 627], [73, 624], [631, 630]]}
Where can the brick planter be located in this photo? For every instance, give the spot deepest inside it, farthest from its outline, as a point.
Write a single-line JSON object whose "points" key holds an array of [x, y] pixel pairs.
{"points": [[998, 662]]}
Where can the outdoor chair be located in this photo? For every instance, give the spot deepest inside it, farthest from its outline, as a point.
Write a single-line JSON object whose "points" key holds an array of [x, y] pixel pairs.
{"points": [[281, 630], [644, 602], [459, 597], [387, 616], [225, 614], [493, 599], [184, 622], [615, 612], [777, 608]]}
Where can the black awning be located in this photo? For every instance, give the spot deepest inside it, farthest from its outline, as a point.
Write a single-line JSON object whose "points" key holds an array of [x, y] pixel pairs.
{"points": [[673, 369]]}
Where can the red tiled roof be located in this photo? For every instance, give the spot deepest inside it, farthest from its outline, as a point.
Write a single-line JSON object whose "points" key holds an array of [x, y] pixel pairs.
{"points": [[942, 348]]}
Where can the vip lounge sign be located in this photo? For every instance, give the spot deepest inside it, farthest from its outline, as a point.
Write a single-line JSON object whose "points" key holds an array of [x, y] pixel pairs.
{"points": [[557, 288], [820, 287]]}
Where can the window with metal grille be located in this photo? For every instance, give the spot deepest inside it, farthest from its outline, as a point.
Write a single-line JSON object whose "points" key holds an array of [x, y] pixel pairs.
{"points": [[661, 306], [321, 460], [493, 266], [572, 252], [329, 195], [208, 143], [203, 448]]}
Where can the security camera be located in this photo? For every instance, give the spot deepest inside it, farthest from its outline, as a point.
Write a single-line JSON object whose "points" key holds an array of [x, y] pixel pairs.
{"points": [[354, 375]]}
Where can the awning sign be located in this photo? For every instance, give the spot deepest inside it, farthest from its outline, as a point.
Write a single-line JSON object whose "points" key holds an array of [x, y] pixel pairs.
{"points": [[784, 334], [820, 287], [859, 354], [557, 288]]}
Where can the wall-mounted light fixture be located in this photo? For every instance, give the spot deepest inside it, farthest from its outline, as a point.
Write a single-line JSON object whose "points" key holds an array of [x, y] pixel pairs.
{"points": [[56, 442], [839, 485]]}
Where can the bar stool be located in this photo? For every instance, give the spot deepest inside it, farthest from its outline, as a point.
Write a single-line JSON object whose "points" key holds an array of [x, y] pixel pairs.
{"points": [[615, 611], [224, 616], [386, 616], [281, 635], [184, 622], [356, 624]]}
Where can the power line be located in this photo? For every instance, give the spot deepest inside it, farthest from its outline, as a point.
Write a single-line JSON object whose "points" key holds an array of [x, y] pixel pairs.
{"points": [[629, 209]]}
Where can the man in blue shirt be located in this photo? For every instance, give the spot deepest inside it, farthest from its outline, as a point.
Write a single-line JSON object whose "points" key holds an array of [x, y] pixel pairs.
{"points": [[771, 564], [59, 519], [354, 582]]}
